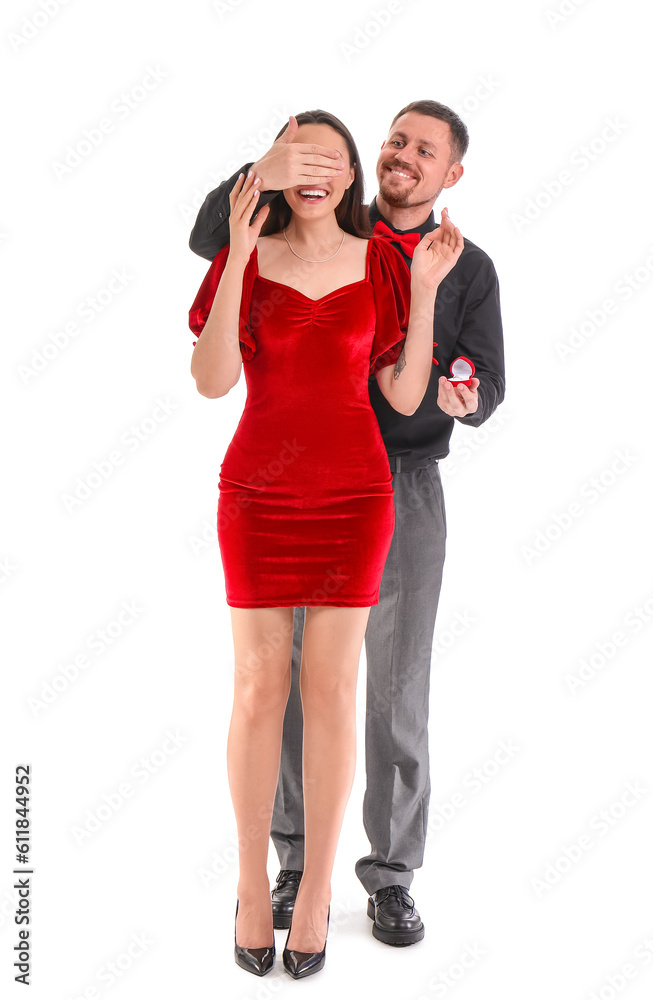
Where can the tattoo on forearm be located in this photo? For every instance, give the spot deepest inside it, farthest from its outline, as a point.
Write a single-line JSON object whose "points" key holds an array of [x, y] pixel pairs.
{"points": [[401, 363]]}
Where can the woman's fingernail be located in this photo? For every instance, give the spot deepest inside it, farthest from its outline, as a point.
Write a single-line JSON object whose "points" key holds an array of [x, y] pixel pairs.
{"points": [[249, 173], [257, 180]]}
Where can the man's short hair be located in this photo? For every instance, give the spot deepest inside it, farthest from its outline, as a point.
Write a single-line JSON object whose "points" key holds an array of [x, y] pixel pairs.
{"points": [[459, 135]]}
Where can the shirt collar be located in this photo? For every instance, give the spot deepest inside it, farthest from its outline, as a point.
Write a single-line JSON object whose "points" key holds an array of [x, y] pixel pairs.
{"points": [[426, 227]]}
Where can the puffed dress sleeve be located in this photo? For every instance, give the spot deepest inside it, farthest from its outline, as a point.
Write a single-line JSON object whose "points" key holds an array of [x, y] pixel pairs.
{"points": [[201, 307], [390, 279]]}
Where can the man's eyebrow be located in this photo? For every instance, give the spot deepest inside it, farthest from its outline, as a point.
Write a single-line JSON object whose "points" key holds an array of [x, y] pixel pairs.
{"points": [[421, 142]]}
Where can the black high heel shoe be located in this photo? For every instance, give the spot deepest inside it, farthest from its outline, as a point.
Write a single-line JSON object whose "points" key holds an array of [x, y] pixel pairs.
{"points": [[304, 963], [259, 961]]}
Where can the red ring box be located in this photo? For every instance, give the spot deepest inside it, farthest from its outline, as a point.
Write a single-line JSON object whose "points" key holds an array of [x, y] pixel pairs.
{"points": [[462, 370]]}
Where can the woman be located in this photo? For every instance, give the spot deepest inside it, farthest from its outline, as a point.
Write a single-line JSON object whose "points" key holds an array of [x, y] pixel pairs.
{"points": [[312, 305]]}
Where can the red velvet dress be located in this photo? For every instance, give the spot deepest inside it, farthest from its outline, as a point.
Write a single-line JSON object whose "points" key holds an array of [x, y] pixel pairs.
{"points": [[306, 505]]}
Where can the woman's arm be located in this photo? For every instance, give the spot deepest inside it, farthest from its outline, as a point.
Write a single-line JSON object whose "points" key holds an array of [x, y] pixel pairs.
{"points": [[217, 360], [404, 384]]}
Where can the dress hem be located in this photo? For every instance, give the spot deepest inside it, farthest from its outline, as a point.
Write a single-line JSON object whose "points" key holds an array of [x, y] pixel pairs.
{"points": [[353, 603]]}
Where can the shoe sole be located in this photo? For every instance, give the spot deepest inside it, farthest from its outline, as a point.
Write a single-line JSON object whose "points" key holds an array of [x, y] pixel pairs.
{"points": [[397, 938]]}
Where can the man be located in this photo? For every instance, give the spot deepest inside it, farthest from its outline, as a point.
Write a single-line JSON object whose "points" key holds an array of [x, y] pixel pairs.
{"points": [[420, 157]]}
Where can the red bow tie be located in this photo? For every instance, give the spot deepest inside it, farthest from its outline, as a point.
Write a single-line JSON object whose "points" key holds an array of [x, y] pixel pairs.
{"points": [[407, 241]]}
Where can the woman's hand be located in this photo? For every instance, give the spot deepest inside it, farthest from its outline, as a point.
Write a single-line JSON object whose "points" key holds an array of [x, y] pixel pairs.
{"points": [[288, 163], [437, 253], [243, 199]]}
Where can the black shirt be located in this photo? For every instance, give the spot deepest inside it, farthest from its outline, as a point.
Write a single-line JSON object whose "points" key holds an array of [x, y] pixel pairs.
{"points": [[467, 321]]}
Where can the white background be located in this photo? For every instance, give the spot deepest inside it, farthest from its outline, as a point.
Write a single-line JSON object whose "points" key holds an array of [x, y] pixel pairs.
{"points": [[534, 90]]}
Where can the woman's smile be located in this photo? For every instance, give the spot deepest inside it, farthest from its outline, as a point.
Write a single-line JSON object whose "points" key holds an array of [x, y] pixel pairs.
{"points": [[312, 194]]}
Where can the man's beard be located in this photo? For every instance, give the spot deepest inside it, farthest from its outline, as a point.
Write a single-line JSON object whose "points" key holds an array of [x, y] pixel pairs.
{"points": [[398, 199]]}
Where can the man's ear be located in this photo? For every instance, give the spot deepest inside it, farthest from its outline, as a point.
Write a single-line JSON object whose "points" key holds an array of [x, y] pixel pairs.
{"points": [[455, 173]]}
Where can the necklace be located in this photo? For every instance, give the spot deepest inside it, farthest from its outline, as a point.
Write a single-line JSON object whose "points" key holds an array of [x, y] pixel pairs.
{"points": [[307, 259]]}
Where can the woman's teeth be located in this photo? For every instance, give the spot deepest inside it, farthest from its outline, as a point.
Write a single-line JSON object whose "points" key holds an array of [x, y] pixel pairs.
{"points": [[312, 194]]}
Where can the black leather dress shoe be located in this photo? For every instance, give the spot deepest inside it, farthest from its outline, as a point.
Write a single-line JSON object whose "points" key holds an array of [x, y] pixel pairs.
{"points": [[396, 921], [255, 960], [304, 963], [284, 895]]}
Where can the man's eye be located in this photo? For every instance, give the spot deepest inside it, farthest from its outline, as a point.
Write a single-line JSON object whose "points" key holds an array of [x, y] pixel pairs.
{"points": [[428, 153]]}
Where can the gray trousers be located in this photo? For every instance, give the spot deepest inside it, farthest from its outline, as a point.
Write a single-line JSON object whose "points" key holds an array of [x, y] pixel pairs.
{"points": [[398, 643]]}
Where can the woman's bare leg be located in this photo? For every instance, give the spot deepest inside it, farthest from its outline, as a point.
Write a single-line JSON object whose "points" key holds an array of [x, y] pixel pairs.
{"points": [[262, 650], [333, 639]]}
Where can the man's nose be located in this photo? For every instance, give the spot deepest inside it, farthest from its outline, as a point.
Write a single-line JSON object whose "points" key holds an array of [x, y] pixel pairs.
{"points": [[406, 156]]}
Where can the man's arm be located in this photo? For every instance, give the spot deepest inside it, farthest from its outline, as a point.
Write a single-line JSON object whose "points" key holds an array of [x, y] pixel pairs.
{"points": [[481, 339], [211, 230]]}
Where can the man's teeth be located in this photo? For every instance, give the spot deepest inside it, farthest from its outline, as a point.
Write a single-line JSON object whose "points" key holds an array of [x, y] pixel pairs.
{"points": [[400, 173]]}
